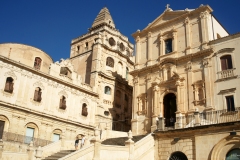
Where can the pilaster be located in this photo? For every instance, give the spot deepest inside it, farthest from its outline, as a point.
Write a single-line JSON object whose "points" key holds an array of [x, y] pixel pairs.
{"points": [[188, 39], [149, 48], [138, 52]]}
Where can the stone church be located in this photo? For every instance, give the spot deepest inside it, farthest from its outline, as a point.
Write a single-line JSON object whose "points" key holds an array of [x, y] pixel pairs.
{"points": [[178, 95]]}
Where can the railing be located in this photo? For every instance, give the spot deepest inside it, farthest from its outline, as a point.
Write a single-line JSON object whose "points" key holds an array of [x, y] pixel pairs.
{"points": [[204, 118], [7, 136], [226, 73]]}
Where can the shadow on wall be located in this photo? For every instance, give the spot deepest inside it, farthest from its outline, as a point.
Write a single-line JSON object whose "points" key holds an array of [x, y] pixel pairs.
{"points": [[88, 69]]}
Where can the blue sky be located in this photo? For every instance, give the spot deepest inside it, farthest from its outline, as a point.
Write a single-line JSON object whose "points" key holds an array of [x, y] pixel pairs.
{"points": [[50, 25]]}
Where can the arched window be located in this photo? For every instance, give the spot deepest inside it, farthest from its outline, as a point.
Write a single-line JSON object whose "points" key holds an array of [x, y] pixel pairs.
{"points": [[110, 62], [37, 63], [226, 62], [37, 94], [62, 104], [107, 90], [9, 85], [84, 109], [127, 72], [168, 46]]}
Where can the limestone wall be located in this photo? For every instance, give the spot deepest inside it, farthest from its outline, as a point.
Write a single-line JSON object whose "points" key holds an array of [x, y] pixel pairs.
{"points": [[26, 55]]}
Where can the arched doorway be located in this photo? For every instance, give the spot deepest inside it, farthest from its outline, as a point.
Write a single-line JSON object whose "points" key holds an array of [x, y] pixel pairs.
{"points": [[178, 156], [170, 107], [234, 154]]}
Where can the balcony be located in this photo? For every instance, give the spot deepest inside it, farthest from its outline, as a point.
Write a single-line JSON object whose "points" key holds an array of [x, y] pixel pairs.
{"points": [[230, 73], [201, 119]]}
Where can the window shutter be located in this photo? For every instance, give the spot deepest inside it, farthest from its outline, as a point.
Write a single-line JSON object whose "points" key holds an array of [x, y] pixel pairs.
{"points": [[11, 87], [6, 87], [229, 62], [39, 96], [64, 104], [223, 64], [60, 105], [35, 98]]}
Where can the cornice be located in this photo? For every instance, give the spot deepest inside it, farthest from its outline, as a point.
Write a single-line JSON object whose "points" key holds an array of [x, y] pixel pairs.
{"points": [[42, 74], [187, 14], [223, 39], [186, 58], [43, 114]]}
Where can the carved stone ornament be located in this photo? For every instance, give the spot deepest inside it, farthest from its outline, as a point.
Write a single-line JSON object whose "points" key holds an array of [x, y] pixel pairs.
{"points": [[63, 93], [189, 66], [205, 62], [39, 84], [149, 34], [11, 74], [202, 15], [135, 80], [186, 20], [137, 39]]}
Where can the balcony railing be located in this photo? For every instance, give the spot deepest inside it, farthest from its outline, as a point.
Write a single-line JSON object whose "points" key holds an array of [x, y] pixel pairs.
{"points": [[200, 119], [226, 73], [13, 137]]}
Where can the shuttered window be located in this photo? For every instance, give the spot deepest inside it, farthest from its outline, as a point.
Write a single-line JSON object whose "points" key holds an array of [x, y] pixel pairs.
{"points": [[62, 104], [9, 85], [226, 62], [37, 94], [230, 103]]}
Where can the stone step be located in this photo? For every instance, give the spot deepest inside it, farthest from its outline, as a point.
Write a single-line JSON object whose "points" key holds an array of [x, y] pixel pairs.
{"points": [[121, 140], [58, 155]]}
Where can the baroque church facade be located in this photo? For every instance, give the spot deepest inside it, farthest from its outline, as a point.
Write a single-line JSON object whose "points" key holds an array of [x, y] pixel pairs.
{"points": [[180, 90]]}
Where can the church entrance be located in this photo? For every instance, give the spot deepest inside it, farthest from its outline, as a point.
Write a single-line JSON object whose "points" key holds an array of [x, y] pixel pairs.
{"points": [[178, 156], [170, 107]]}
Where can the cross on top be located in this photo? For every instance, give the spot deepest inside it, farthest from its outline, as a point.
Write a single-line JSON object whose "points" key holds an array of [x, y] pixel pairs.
{"points": [[167, 6]]}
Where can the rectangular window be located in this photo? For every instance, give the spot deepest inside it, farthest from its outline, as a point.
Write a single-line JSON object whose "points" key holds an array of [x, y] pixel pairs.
{"points": [[168, 46], [56, 137], [230, 103], [29, 135], [1, 128]]}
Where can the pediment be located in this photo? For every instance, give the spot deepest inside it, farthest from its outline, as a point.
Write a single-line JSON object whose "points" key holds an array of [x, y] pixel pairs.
{"points": [[165, 17]]}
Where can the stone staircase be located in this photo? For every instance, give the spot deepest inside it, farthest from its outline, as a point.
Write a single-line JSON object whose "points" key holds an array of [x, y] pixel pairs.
{"points": [[59, 155], [121, 140]]}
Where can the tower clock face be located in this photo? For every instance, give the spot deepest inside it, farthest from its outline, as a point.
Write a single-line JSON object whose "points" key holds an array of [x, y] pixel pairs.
{"points": [[112, 41]]}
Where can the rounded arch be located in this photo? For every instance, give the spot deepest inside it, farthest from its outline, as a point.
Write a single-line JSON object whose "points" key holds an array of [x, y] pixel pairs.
{"points": [[56, 134], [221, 149], [6, 122], [233, 154], [178, 155], [33, 126]]}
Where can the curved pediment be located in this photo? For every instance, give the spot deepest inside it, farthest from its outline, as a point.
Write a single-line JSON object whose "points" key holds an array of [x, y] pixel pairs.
{"points": [[168, 60]]}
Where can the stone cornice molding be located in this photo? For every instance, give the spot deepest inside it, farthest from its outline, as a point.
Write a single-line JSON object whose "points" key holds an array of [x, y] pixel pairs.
{"points": [[188, 57], [145, 31], [45, 75], [224, 39], [224, 50], [44, 115]]}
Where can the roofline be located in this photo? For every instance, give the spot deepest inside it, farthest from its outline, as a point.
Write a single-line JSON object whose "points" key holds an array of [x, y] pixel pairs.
{"points": [[219, 23]]}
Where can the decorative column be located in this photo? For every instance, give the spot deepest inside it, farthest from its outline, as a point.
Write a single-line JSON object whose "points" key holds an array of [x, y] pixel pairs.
{"points": [[204, 29], [161, 43], [149, 46], [135, 105], [190, 97], [208, 84], [174, 41], [138, 51], [155, 111], [188, 32]]}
